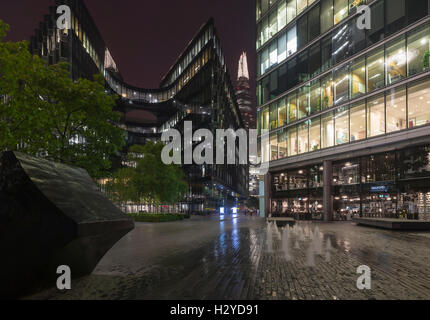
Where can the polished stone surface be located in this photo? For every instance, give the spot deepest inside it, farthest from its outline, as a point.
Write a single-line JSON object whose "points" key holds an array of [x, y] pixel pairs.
{"points": [[51, 214], [206, 258]]}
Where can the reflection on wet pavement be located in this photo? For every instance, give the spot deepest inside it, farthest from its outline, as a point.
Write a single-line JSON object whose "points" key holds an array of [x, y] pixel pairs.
{"points": [[246, 258]]}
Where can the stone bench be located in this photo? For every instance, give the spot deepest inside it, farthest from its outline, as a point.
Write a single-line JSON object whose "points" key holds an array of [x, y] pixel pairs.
{"points": [[393, 224]]}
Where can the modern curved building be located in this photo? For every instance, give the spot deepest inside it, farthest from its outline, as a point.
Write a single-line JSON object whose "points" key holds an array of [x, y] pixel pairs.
{"points": [[347, 108], [197, 88]]}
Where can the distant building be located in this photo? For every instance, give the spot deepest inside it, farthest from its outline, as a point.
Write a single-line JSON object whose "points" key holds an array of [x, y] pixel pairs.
{"points": [[197, 88], [243, 94], [248, 112]]}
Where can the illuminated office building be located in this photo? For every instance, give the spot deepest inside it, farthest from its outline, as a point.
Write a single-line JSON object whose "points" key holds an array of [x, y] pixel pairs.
{"points": [[347, 109], [197, 88]]}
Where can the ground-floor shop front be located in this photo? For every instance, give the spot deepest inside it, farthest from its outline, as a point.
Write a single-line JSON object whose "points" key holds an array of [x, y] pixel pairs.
{"points": [[392, 184]]}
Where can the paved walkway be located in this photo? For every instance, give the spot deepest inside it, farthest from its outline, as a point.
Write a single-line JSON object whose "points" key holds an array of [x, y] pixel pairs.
{"points": [[206, 258]]}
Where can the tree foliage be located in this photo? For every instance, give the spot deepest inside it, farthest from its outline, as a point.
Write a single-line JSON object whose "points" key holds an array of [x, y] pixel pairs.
{"points": [[155, 181], [44, 112], [149, 180]]}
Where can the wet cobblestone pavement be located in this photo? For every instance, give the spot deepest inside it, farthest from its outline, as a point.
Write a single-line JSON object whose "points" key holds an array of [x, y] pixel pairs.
{"points": [[206, 258]]}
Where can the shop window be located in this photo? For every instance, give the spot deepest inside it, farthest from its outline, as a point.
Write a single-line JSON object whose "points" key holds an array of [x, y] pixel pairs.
{"points": [[414, 162], [282, 112], [303, 102], [266, 119], [346, 173], [292, 107], [375, 70], [342, 126], [291, 10], [327, 126], [298, 180], [395, 58], [418, 49], [376, 116], [340, 10], [358, 122], [315, 97], [303, 138], [273, 116], [282, 143], [315, 134], [326, 15], [341, 85], [327, 92], [396, 109], [274, 146], [358, 78], [292, 141], [419, 103]]}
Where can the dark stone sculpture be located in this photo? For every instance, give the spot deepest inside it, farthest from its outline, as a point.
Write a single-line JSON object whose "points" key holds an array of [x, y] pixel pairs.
{"points": [[51, 214]]}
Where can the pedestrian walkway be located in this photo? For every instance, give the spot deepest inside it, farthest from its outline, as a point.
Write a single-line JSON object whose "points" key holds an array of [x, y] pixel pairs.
{"points": [[206, 258]]}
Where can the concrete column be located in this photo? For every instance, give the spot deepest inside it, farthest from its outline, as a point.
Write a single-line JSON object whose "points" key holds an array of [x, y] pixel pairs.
{"points": [[328, 194], [268, 194]]}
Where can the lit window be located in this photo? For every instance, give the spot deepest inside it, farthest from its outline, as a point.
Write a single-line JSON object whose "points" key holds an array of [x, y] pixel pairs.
{"points": [[396, 109], [419, 104], [376, 116]]}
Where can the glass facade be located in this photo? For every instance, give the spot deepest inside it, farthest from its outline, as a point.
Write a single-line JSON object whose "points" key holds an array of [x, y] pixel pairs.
{"points": [[385, 185], [400, 108], [391, 63], [332, 84]]}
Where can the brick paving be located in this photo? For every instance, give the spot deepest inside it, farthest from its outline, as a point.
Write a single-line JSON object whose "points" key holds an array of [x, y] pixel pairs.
{"points": [[209, 259]]}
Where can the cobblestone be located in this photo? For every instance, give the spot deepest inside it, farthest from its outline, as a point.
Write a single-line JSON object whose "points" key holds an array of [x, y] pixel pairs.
{"points": [[209, 259]]}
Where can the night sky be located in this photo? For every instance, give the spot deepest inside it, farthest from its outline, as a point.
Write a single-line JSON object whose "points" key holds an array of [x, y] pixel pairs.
{"points": [[146, 37]]}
